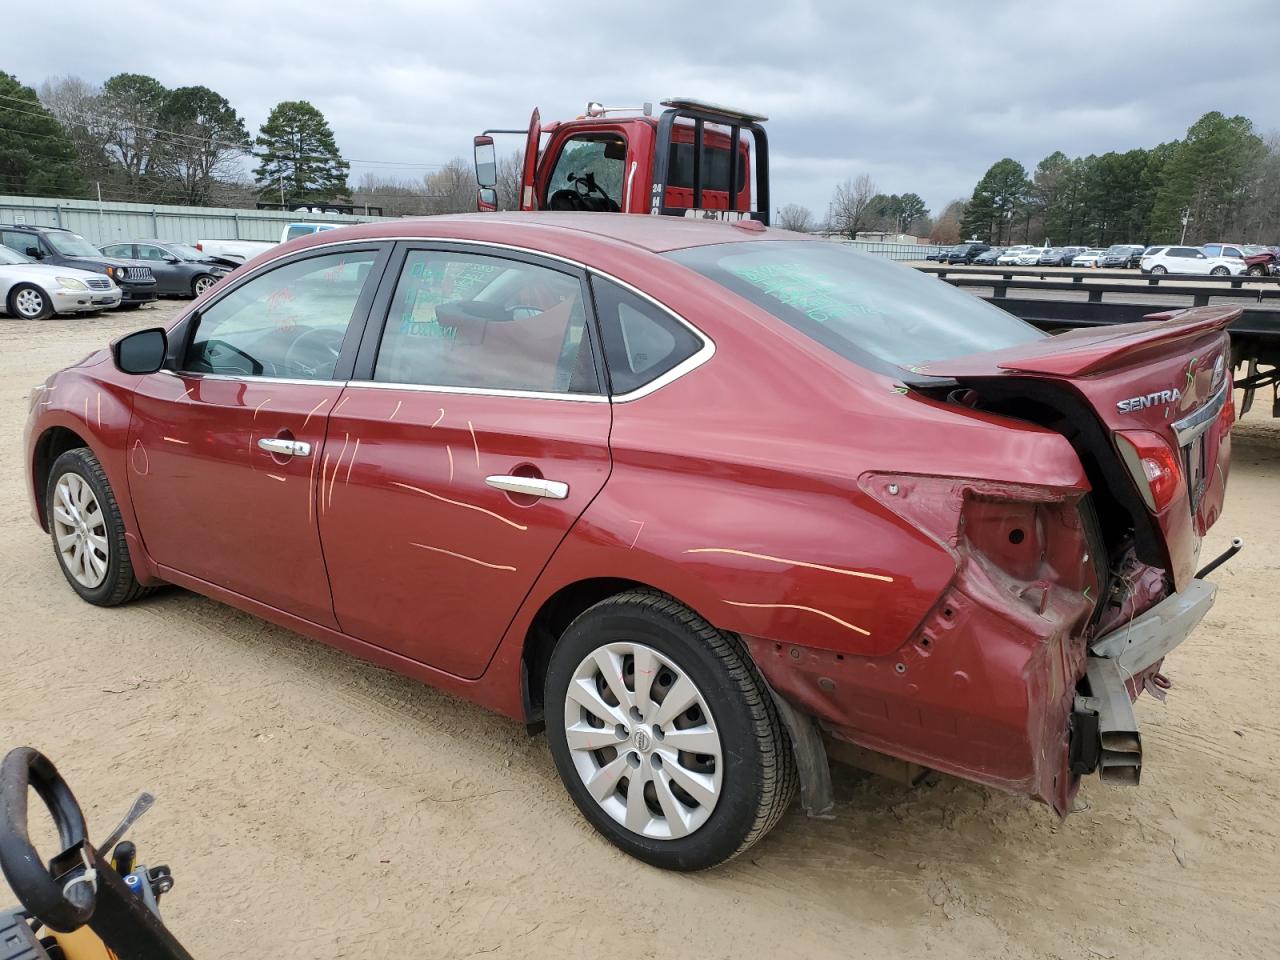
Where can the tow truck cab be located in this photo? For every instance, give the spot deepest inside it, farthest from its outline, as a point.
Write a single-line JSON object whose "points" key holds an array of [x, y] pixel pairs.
{"points": [[625, 160]]}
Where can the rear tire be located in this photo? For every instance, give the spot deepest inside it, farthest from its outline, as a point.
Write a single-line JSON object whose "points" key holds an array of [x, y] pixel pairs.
{"points": [[87, 531], [704, 799], [29, 302]]}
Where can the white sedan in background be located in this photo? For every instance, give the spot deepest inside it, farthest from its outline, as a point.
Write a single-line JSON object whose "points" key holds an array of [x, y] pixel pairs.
{"points": [[1089, 258], [1011, 254], [1190, 260], [34, 291]]}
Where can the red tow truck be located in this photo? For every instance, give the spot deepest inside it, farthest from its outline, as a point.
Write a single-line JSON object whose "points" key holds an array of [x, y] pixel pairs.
{"points": [[626, 160]]}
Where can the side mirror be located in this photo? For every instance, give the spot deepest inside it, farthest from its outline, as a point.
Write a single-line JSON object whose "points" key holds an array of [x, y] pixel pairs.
{"points": [[35, 253], [171, 260], [486, 162], [487, 200], [141, 352]]}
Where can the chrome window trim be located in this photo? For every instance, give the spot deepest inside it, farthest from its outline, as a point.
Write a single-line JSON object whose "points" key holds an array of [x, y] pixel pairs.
{"points": [[1196, 423], [704, 353], [250, 378], [480, 391]]}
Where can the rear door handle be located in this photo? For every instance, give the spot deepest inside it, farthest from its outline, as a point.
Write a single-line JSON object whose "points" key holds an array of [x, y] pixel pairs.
{"points": [[285, 448], [530, 486]]}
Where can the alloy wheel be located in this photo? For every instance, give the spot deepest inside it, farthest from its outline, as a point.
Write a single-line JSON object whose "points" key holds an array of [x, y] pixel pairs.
{"points": [[29, 302], [203, 284], [81, 530], [643, 741]]}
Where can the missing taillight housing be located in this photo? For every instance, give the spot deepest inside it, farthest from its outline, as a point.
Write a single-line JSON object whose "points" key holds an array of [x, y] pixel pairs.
{"points": [[1154, 466]]}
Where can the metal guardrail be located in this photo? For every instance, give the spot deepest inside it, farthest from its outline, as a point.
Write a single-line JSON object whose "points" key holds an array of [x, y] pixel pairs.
{"points": [[1080, 276], [905, 252], [1255, 335]]}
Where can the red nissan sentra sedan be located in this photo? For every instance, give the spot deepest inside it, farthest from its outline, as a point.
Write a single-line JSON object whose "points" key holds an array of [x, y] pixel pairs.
{"points": [[703, 497]]}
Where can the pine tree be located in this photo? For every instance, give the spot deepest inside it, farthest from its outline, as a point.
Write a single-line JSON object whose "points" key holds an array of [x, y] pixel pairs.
{"points": [[297, 150], [36, 156]]}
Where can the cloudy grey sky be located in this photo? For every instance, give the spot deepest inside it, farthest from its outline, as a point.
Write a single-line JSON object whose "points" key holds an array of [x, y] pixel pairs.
{"points": [[923, 97]]}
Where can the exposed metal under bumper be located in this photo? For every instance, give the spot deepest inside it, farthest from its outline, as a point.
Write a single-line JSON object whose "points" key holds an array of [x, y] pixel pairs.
{"points": [[1116, 658], [1120, 754]]}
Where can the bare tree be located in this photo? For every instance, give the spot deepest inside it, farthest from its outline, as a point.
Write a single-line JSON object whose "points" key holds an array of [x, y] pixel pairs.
{"points": [[795, 217], [509, 170], [946, 229], [397, 198], [849, 205], [74, 102], [452, 188]]}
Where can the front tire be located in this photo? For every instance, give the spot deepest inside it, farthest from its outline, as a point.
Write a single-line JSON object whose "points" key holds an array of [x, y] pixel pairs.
{"points": [[1257, 270], [1219, 272], [1159, 270], [202, 283], [87, 531], [29, 302], [664, 734]]}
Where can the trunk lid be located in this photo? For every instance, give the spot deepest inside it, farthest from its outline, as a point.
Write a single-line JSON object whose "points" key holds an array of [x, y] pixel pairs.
{"points": [[1159, 388]]}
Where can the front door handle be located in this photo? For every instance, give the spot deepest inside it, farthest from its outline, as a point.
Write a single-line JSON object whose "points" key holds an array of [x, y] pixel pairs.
{"points": [[530, 486], [285, 448]]}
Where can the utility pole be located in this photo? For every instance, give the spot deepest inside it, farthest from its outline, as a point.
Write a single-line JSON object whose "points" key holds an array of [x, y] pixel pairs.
{"points": [[1186, 218]]}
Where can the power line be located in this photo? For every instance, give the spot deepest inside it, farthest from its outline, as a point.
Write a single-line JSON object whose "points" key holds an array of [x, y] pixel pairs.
{"points": [[203, 141]]}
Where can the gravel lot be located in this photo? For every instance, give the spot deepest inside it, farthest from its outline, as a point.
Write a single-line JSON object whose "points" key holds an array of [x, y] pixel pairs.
{"points": [[311, 805]]}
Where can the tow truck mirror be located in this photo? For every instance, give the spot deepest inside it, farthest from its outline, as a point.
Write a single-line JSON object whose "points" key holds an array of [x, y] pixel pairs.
{"points": [[486, 162], [142, 352], [487, 200]]}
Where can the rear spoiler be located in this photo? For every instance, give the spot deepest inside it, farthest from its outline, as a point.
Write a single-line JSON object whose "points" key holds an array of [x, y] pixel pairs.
{"points": [[1086, 351]]}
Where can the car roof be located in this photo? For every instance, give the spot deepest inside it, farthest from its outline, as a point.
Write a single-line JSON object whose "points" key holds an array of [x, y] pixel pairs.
{"points": [[33, 226], [557, 232]]}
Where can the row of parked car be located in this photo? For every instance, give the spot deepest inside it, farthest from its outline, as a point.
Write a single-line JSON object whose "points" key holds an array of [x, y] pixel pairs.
{"points": [[1212, 259], [49, 270]]}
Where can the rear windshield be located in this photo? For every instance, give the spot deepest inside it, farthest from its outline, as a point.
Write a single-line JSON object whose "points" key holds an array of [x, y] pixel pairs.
{"points": [[868, 309]]}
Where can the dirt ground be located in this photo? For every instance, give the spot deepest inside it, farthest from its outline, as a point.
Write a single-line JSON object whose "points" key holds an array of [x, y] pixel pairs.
{"points": [[311, 805]]}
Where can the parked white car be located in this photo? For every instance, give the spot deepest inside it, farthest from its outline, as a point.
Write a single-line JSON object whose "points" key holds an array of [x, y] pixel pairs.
{"points": [[241, 251], [1190, 260], [1089, 258], [34, 291], [1030, 257]]}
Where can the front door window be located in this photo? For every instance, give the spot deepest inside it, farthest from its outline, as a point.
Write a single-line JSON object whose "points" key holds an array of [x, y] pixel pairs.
{"points": [[289, 322]]}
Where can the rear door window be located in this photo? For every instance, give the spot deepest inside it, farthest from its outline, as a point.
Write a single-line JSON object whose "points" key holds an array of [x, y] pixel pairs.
{"points": [[486, 323]]}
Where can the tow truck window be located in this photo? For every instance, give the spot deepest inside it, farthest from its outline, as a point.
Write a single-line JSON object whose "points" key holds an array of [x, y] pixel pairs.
{"points": [[715, 172], [589, 174]]}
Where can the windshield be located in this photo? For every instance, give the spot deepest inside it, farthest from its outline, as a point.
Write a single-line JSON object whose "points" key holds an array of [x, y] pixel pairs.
{"points": [[184, 251], [1117, 248], [71, 245], [13, 256], [1253, 251], [867, 309]]}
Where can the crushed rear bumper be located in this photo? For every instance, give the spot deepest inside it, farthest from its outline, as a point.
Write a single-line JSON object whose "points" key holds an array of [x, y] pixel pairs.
{"points": [[1104, 729]]}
